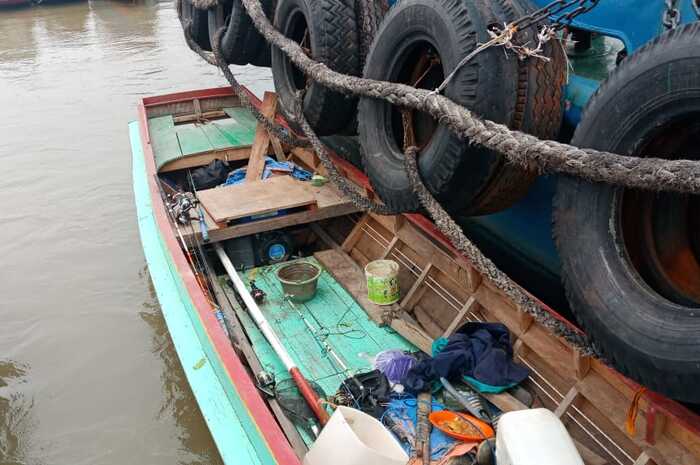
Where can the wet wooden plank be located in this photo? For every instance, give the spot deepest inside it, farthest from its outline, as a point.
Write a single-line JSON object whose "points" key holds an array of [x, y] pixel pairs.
{"points": [[242, 118], [351, 334], [352, 279], [235, 133], [216, 138]]}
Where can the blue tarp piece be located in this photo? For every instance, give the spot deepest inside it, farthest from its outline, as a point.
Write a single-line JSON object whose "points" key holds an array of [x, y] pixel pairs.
{"points": [[238, 176], [404, 412]]}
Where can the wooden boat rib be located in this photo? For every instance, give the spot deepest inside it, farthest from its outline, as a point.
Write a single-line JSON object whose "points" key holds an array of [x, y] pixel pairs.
{"points": [[440, 291]]}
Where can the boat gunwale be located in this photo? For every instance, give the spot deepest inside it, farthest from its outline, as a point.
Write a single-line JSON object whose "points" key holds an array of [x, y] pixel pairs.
{"points": [[267, 425], [656, 402]]}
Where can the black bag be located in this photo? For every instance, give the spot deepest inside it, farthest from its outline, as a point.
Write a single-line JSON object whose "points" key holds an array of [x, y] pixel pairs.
{"points": [[373, 396], [212, 175]]}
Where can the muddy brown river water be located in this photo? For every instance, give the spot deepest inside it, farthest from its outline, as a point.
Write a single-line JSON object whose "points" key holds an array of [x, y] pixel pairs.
{"points": [[88, 374]]}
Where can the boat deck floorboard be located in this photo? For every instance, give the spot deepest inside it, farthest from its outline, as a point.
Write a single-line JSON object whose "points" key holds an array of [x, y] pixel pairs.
{"points": [[352, 335]]}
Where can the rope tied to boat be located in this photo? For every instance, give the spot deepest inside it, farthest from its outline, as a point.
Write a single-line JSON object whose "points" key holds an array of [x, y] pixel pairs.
{"points": [[522, 150], [482, 264], [216, 58]]}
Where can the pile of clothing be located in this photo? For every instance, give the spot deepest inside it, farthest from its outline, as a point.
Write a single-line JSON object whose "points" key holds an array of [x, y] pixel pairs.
{"points": [[478, 355]]}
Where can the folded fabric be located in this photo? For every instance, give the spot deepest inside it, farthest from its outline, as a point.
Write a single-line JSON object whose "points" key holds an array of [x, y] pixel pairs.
{"points": [[481, 351]]}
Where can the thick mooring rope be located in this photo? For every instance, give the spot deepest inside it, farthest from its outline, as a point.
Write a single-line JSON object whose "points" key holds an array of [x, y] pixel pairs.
{"points": [[347, 188], [216, 58], [523, 150], [486, 267]]}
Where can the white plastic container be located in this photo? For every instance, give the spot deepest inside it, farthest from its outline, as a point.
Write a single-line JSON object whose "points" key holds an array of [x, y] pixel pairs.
{"points": [[534, 437], [352, 437]]}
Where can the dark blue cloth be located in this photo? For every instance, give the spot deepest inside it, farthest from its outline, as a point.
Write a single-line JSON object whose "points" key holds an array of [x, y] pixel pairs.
{"points": [[480, 350]]}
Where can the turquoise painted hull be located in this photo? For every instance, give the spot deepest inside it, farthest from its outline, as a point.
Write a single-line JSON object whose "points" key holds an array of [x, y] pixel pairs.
{"points": [[232, 425]]}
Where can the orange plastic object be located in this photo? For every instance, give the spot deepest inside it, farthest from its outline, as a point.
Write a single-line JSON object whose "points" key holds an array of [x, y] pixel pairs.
{"points": [[451, 423]]}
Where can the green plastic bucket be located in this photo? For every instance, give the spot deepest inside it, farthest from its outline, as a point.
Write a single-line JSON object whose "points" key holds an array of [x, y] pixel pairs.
{"points": [[382, 282]]}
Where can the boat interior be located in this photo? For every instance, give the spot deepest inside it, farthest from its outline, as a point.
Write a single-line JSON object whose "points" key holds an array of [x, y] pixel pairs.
{"points": [[268, 218]]}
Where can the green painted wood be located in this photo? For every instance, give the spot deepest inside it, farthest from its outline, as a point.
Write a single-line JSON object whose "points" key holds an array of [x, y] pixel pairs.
{"points": [[239, 128], [217, 139], [233, 429], [164, 139], [170, 141], [350, 332], [192, 139], [242, 117]]}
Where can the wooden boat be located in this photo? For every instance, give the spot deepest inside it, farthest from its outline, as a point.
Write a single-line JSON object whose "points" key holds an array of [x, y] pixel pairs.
{"points": [[179, 132]]}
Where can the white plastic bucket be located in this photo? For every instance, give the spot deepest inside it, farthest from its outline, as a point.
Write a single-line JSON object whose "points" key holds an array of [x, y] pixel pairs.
{"points": [[382, 282], [352, 437], [534, 437]]}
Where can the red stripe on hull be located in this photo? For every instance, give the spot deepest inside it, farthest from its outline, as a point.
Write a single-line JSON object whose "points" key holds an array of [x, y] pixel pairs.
{"points": [[269, 429]]}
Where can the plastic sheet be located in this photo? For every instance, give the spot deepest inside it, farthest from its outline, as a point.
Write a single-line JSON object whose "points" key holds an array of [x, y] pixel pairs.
{"points": [[394, 364]]}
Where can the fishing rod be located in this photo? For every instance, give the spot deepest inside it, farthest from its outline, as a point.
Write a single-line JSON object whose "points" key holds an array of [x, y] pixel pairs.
{"points": [[301, 382], [203, 229], [183, 244], [323, 342]]}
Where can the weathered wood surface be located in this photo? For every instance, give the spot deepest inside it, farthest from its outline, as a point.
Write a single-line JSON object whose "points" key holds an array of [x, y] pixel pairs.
{"points": [[252, 199], [441, 289], [329, 204], [193, 142], [261, 143]]}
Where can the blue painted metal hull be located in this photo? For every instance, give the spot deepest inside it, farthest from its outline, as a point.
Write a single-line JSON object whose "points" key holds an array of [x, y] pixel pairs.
{"points": [[519, 239]]}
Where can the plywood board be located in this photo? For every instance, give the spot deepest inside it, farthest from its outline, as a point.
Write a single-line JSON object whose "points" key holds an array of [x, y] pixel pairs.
{"points": [[250, 199]]}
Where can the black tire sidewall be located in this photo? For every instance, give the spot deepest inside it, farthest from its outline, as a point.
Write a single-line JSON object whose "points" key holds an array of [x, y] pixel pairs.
{"points": [[326, 111], [645, 335], [447, 157]]}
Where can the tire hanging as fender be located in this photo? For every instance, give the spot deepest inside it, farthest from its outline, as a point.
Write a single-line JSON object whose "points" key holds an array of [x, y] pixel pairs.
{"points": [[466, 179], [241, 44], [328, 29], [631, 258]]}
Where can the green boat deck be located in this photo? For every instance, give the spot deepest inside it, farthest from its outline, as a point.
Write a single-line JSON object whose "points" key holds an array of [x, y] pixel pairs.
{"points": [[347, 329], [173, 141]]}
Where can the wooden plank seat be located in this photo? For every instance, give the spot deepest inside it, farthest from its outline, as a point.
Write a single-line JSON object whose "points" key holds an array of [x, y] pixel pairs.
{"points": [[329, 203], [255, 199]]}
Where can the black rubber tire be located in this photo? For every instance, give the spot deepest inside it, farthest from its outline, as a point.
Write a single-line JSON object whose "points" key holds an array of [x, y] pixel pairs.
{"points": [[334, 40], [645, 335], [200, 24], [539, 109], [453, 170], [241, 44]]}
